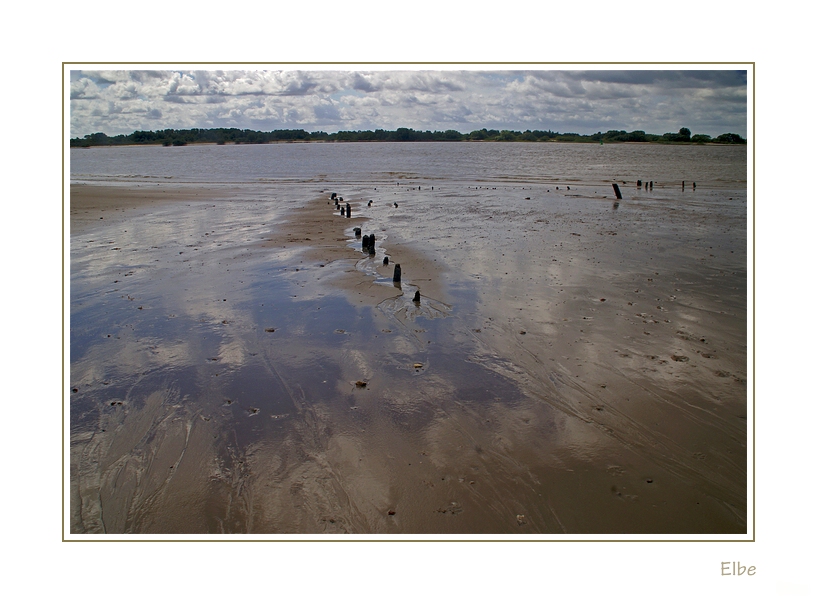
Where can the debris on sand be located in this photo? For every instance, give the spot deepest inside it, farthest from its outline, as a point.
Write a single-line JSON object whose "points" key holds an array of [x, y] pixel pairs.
{"points": [[453, 508]]}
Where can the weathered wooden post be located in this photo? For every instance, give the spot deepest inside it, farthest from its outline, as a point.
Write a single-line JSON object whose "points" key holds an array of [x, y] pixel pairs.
{"points": [[334, 195], [365, 245], [417, 297], [396, 277], [348, 210], [617, 190], [638, 184], [385, 260], [357, 232], [342, 211]]}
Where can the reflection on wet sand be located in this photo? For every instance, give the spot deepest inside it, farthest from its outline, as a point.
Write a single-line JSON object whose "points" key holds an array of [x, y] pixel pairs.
{"points": [[243, 367]]}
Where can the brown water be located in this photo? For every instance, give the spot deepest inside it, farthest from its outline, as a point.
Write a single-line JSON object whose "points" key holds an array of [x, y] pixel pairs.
{"points": [[580, 369], [350, 163]]}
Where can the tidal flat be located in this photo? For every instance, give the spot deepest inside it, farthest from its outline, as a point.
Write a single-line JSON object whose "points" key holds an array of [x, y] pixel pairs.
{"points": [[575, 365]]}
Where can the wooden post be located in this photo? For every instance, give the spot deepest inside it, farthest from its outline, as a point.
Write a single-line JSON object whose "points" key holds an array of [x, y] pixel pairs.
{"points": [[617, 190], [396, 277]]}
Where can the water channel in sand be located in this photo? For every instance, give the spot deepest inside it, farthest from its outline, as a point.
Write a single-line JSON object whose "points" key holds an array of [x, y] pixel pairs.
{"points": [[574, 366]]}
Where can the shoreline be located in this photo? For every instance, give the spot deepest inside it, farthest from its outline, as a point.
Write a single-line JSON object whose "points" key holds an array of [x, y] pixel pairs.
{"points": [[89, 203], [314, 225], [298, 141]]}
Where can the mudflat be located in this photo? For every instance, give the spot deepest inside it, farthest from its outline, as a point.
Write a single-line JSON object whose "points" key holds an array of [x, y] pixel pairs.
{"points": [[240, 364]]}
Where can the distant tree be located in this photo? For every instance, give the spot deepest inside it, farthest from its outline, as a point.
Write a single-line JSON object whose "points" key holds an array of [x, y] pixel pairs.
{"points": [[544, 134], [223, 136], [682, 136], [730, 139], [403, 134]]}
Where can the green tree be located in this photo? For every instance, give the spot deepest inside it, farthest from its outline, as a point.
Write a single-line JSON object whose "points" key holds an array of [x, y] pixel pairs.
{"points": [[731, 139]]}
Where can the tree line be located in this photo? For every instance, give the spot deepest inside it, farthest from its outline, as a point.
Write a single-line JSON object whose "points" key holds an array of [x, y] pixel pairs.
{"points": [[223, 136]]}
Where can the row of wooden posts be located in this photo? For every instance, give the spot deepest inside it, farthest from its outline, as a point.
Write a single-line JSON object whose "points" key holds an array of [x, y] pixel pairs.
{"points": [[368, 241], [647, 185]]}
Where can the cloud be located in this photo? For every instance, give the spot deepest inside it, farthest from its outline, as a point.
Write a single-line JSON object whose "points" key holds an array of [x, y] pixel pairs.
{"points": [[118, 102]]}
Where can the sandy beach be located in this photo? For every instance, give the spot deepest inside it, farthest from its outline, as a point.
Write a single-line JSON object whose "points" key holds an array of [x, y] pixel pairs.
{"points": [[240, 365]]}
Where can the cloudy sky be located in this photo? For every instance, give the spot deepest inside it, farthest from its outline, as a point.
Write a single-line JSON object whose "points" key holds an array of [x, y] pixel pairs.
{"points": [[657, 101]]}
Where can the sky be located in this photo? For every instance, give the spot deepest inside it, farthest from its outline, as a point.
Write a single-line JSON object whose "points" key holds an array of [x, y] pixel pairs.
{"points": [[707, 101]]}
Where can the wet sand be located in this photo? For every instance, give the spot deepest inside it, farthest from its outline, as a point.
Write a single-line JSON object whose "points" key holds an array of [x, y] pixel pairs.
{"points": [[241, 366]]}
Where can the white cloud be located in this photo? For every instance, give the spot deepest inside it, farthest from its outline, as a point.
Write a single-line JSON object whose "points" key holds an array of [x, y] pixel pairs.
{"points": [[118, 102]]}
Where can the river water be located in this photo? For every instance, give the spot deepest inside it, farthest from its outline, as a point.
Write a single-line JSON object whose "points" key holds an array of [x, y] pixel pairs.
{"points": [[580, 368], [721, 166]]}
